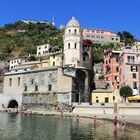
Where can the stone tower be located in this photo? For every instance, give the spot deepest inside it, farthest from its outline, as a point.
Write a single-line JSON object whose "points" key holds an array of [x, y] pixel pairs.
{"points": [[73, 44]]}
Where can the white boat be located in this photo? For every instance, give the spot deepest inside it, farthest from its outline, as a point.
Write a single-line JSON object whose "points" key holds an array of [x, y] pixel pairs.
{"points": [[12, 110]]}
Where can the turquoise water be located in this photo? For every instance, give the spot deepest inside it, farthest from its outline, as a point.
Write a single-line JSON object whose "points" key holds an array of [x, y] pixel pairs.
{"points": [[37, 127]]}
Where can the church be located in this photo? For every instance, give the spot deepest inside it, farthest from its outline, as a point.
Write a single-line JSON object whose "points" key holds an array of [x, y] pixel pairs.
{"points": [[44, 82]]}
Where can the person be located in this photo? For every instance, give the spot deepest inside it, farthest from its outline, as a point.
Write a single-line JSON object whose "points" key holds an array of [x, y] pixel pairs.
{"points": [[116, 124], [94, 120], [77, 118], [123, 123]]}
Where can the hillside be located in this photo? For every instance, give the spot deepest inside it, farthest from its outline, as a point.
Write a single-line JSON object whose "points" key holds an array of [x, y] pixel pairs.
{"points": [[20, 38]]}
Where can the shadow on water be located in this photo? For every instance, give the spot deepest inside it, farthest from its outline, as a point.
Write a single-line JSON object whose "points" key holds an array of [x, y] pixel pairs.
{"points": [[24, 127]]}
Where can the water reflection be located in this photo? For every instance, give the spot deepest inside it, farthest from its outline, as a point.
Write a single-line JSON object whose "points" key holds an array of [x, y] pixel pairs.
{"points": [[24, 127]]}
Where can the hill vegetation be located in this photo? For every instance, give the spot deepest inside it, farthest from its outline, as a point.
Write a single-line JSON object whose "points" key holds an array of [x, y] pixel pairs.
{"points": [[20, 39]]}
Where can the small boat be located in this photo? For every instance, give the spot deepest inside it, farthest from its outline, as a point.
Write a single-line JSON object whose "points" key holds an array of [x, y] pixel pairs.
{"points": [[12, 110]]}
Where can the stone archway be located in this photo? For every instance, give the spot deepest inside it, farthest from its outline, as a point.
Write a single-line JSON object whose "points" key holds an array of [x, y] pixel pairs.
{"points": [[13, 104]]}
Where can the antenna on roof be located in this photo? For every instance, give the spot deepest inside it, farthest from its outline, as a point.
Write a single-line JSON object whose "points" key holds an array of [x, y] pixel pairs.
{"points": [[53, 22]]}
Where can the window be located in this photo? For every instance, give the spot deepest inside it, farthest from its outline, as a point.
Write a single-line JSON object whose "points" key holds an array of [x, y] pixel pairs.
{"points": [[112, 38], [69, 31], [10, 82], [106, 61], [25, 87], [88, 36], [75, 45], [39, 48], [117, 87], [115, 77], [53, 56], [93, 31], [106, 100], [134, 75], [88, 30], [84, 58], [130, 59], [97, 101], [117, 69], [109, 60], [68, 45], [134, 68], [102, 37], [18, 81], [53, 63], [116, 39], [93, 36], [98, 37], [36, 87], [75, 32], [45, 47], [134, 85], [113, 98], [49, 87], [117, 59]]}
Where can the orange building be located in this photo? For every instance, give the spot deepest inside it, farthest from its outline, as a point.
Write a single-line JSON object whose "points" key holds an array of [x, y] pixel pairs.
{"points": [[111, 67]]}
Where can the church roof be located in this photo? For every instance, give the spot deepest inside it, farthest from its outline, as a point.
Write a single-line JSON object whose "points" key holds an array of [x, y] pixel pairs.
{"points": [[73, 23]]}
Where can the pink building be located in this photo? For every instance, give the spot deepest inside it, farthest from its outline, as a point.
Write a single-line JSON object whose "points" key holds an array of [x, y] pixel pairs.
{"points": [[129, 70], [111, 67], [100, 35]]}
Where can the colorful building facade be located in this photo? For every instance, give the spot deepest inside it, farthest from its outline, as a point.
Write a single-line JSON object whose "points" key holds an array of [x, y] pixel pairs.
{"points": [[111, 67], [129, 71], [100, 35]]}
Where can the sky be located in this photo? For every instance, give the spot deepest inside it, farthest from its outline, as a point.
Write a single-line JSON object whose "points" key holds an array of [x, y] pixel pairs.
{"points": [[114, 15]]}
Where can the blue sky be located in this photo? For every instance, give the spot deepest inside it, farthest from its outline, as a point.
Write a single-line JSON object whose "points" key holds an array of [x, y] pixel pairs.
{"points": [[115, 15]]}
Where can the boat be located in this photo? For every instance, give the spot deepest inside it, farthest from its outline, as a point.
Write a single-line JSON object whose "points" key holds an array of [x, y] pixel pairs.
{"points": [[12, 110]]}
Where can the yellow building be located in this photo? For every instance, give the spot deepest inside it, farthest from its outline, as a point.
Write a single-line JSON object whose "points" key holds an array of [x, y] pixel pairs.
{"points": [[55, 59], [103, 93], [51, 59]]}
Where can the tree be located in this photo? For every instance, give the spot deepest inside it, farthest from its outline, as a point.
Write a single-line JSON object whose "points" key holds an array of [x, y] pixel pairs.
{"points": [[127, 37], [126, 91], [87, 43]]}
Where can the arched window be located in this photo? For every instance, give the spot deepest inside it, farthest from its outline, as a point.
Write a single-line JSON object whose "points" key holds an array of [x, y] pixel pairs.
{"points": [[68, 45], [25, 87], [69, 31], [75, 45], [36, 87], [75, 32], [49, 87]]}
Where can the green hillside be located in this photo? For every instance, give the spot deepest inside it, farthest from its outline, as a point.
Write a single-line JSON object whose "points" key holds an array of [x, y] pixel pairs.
{"points": [[20, 39]]}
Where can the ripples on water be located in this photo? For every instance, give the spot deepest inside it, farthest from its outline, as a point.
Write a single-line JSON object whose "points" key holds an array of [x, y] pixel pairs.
{"points": [[24, 127]]}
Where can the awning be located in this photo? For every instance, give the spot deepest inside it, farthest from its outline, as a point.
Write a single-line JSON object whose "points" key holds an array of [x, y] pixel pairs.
{"points": [[134, 98]]}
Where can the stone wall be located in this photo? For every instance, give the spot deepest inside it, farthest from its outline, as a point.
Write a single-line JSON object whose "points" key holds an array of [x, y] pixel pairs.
{"points": [[40, 98], [100, 109]]}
